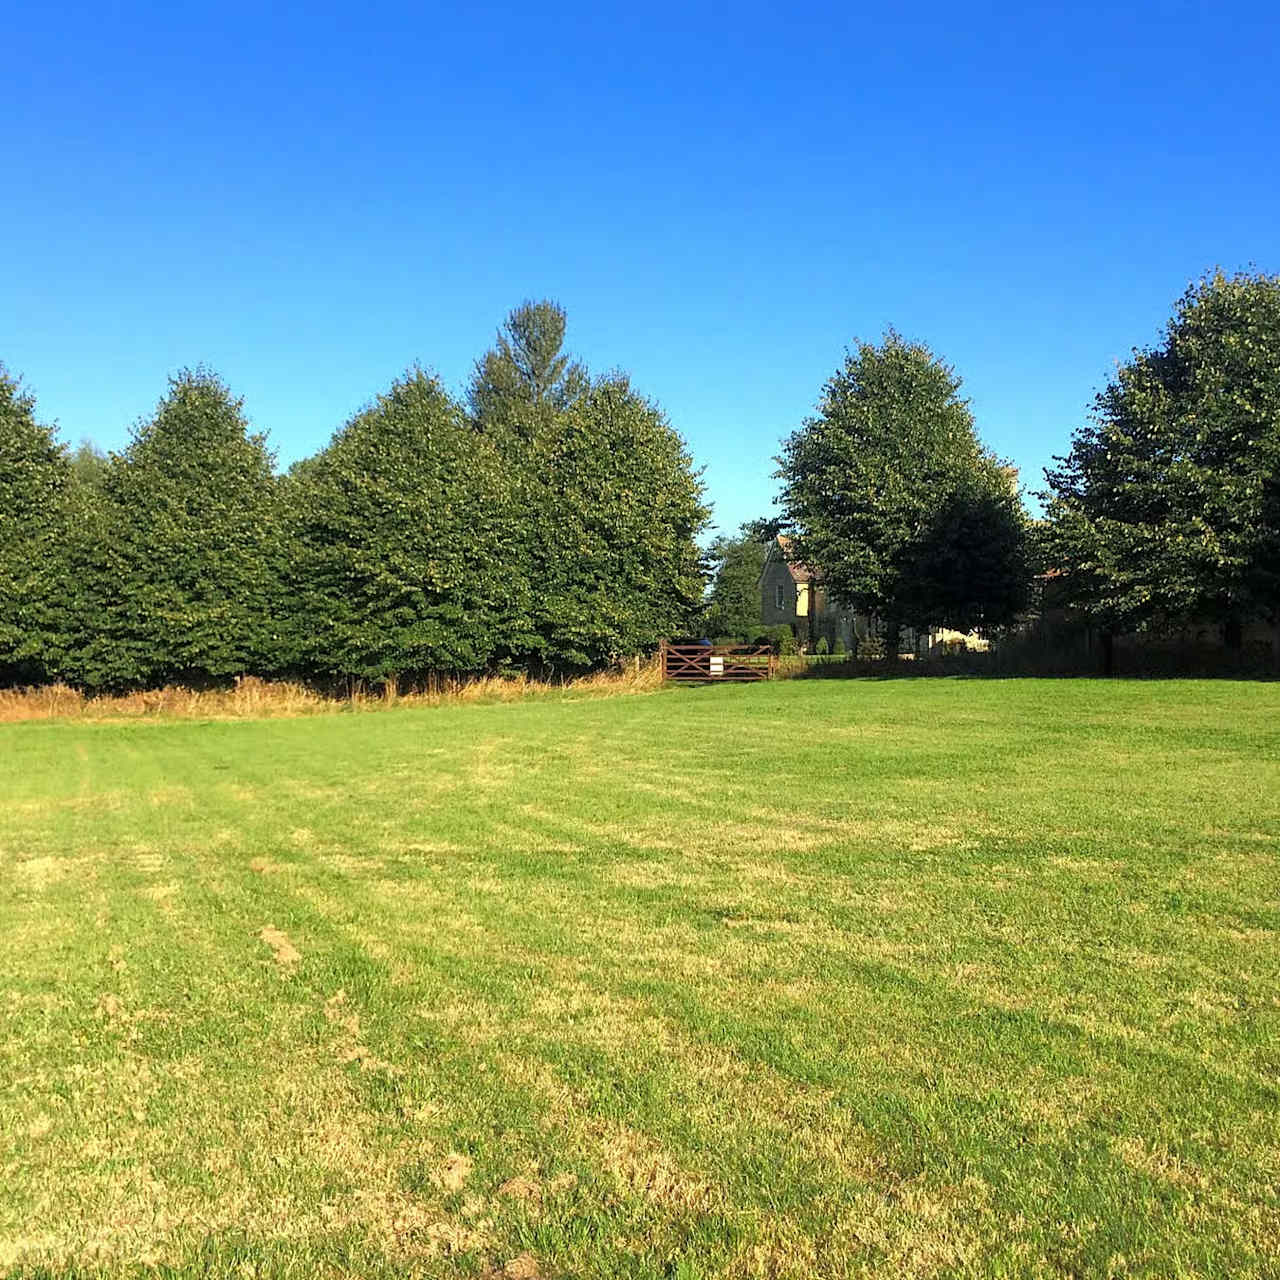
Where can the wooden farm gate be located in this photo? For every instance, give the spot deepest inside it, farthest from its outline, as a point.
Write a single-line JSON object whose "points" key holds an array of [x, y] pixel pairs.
{"points": [[717, 663]]}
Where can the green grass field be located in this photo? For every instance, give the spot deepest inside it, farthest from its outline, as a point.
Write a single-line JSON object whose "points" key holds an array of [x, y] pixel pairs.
{"points": [[921, 978]]}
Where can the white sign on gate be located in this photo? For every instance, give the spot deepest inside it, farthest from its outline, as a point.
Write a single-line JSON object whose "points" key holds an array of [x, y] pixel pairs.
{"points": [[717, 664]]}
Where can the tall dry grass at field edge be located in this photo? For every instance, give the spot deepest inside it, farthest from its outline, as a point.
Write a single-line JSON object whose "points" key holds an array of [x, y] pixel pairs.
{"points": [[253, 698]]}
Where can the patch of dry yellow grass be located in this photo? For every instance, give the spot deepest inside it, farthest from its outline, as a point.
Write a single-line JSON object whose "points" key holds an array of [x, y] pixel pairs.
{"points": [[252, 698]]}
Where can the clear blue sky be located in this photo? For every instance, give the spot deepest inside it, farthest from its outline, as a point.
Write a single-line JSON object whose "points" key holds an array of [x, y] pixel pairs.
{"points": [[308, 198]]}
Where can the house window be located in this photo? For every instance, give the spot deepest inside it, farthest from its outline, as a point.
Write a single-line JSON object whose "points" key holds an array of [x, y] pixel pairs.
{"points": [[778, 592]]}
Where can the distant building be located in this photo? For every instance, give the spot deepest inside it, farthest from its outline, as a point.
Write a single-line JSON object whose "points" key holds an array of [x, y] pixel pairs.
{"points": [[792, 593]]}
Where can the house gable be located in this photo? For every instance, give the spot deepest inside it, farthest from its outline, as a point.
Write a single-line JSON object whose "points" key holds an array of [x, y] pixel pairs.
{"points": [[790, 592], [779, 594], [786, 587]]}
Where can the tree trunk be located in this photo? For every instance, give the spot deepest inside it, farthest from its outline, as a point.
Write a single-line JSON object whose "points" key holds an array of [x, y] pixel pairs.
{"points": [[1108, 653], [892, 637]]}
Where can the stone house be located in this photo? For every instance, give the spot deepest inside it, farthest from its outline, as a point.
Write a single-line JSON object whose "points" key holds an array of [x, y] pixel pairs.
{"points": [[793, 593]]}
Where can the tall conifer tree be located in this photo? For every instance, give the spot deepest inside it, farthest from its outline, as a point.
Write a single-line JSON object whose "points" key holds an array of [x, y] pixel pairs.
{"points": [[527, 375]]}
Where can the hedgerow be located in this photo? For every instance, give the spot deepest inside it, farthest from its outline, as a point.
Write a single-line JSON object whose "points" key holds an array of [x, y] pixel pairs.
{"points": [[548, 524]]}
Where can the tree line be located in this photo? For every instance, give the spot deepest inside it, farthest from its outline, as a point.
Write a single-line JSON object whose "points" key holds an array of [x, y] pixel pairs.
{"points": [[1165, 510], [547, 520]]}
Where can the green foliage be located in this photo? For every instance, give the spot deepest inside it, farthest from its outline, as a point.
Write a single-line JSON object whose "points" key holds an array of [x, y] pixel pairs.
{"points": [[174, 555], [734, 598], [526, 375], [35, 480], [780, 635], [399, 535], [839, 648], [881, 486], [822, 648], [613, 510], [555, 526], [89, 464], [763, 529], [1168, 504], [970, 566], [603, 559]]}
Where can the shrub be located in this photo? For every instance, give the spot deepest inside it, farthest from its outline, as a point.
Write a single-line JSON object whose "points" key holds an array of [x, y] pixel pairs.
{"points": [[839, 648], [822, 648], [780, 636], [871, 648]]}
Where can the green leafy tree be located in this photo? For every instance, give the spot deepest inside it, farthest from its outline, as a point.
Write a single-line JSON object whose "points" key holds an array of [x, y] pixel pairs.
{"points": [[35, 481], [1168, 504], [527, 374], [399, 536], [616, 508], [734, 599], [174, 564], [610, 504], [763, 529], [878, 487], [89, 464], [971, 565]]}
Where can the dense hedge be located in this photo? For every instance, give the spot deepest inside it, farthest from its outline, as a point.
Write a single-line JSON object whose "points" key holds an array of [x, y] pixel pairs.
{"points": [[427, 537]]}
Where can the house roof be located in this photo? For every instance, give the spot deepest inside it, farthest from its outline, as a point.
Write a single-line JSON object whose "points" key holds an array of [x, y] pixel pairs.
{"points": [[800, 572]]}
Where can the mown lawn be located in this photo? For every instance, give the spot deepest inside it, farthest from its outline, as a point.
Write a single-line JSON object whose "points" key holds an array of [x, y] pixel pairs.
{"points": [[814, 979]]}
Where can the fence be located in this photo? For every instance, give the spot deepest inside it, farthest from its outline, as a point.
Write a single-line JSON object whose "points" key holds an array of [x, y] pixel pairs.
{"points": [[717, 663]]}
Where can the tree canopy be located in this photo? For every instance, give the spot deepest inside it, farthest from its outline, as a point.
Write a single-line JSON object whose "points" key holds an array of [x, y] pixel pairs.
{"points": [[89, 464], [398, 537], [548, 521], [610, 505], [175, 561], [970, 568], [562, 534], [35, 479], [527, 374], [611, 509], [886, 483], [1168, 504], [733, 602]]}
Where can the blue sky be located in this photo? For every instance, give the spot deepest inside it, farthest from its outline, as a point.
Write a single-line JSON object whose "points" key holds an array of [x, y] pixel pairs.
{"points": [[310, 198]]}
